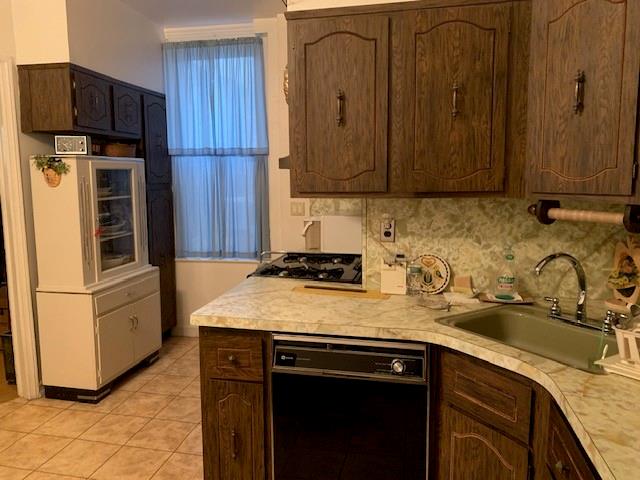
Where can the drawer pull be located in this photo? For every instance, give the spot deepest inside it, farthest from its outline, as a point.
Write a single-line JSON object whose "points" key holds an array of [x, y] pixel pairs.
{"points": [[234, 446], [233, 359], [561, 467], [578, 105], [455, 88]]}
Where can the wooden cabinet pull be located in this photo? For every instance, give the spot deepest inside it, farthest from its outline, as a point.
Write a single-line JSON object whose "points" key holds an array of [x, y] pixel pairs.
{"points": [[234, 446], [340, 117], [454, 89], [561, 467], [578, 105]]}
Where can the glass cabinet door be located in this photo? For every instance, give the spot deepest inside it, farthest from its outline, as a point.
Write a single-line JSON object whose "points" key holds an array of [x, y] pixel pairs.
{"points": [[115, 218]]}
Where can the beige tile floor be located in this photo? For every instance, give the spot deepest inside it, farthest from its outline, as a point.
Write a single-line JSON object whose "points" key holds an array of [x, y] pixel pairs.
{"points": [[149, 427]]}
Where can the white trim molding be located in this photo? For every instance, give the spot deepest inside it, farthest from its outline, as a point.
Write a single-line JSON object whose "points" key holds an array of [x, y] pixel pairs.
{"points": [[16, 241], [208, 32]]}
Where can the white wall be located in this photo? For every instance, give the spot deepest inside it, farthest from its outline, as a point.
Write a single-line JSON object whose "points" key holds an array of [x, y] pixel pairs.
{"points": [[40, 29], [293, 5], [7, 42], [199, 281], [111, 38]]}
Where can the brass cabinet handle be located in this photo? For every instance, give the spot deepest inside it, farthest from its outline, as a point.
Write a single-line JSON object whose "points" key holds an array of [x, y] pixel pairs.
{"points": [[561, 467], [578, 105], [132, 319], [232, 359], [234, 445], [454, 102], [340, 117]]}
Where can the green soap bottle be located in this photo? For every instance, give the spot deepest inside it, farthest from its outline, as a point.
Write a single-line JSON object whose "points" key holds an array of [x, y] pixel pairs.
{"points": [[506, 282]]}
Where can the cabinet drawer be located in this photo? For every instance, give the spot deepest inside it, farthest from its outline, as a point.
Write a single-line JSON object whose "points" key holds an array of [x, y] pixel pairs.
{"points": [[123, 295], [496, 397], [231, 355], [564, 456]]}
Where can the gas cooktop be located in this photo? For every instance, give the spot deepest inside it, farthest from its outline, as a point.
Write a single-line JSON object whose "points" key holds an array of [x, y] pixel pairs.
{"points": [[326, 267]]}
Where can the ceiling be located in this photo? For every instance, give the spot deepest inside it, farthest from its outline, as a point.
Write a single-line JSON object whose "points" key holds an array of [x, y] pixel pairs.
{"points": [[179, 13]]}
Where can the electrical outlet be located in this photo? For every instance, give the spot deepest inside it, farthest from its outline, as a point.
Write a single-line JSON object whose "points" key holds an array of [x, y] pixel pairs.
{"points": [[388, 230], [297, 209]]}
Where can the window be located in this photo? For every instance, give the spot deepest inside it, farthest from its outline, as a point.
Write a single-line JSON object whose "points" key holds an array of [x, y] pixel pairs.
{"points": [[217, 126]]}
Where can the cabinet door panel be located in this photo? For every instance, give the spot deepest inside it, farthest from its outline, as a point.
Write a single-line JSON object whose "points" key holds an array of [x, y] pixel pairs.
{"points": [[450, 99], [115, 343], [471, 451], [157, 160], [339, 92], [147, 336], [127, 113], [93, 102], [233, 431], [583, 96]]}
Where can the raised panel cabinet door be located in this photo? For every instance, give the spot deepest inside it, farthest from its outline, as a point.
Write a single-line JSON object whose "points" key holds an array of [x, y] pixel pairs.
{"points": [[157, 159], [449, 99], [115, 343], [583, 96], [233, 431], [147, 336], [92, 101], [127, 110], [162, 248], [470, 450], [338, 71]]}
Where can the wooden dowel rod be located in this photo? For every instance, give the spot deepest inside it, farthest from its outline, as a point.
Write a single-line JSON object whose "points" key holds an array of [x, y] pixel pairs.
{"points": [[586, 216]]}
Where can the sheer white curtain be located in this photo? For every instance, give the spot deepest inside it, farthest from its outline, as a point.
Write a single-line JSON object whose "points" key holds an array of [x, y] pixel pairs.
{"points": [[217, 123]]}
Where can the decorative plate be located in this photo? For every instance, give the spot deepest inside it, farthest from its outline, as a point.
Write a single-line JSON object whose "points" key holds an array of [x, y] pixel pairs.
{"points": [[436, 273]]}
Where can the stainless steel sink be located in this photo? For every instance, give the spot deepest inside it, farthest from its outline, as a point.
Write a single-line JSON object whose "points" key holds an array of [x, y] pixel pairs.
{"points": [[529, 328]]}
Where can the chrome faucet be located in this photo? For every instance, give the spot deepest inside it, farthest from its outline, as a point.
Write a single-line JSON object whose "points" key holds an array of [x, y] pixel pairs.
{"points": [[581, 306]]}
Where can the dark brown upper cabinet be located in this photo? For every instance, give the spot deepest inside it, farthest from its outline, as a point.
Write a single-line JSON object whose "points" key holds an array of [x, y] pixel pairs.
{"points": [[93, 101], [127, 110], [338, 99], [157, 159], [66, 98], [583, 96], [449, 99]]}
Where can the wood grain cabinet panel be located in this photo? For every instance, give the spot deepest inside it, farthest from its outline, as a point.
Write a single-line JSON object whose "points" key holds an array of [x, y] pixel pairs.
{"points": [[231, 356], [583, 96], [92, 101], [470, 450], [564, 456], [157, 159], [338, 74], [449, 99], [234, 424], [488, 393], [127, 110]]}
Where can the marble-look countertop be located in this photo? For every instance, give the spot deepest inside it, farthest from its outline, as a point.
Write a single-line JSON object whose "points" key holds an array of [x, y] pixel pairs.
{"points": [[604, 410]]}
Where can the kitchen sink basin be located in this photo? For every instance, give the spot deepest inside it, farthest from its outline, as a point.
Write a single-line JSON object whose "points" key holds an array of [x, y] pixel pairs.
{"points": [[530, 329]]}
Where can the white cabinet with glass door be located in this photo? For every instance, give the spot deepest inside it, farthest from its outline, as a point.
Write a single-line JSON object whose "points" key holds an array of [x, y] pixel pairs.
{"points": [[98, 297]]}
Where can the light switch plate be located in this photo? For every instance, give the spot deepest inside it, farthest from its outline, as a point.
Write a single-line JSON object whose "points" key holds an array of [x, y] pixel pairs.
{"points": [[388, 230]]}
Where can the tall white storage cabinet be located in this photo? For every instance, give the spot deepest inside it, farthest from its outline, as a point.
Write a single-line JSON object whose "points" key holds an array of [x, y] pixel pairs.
{"points": [[98, 297]]}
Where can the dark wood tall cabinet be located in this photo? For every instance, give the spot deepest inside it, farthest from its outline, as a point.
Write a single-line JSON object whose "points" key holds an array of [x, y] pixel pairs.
{"points": [[338, 74], [449, 99], [583, 96], [160, 204]]}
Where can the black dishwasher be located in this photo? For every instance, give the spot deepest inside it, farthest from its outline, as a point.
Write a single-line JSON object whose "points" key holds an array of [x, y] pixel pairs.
{"points": [[346, 409]]}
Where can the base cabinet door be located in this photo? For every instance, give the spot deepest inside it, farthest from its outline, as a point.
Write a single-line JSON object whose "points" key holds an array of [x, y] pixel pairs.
{"points": [[233, 426], [147, 337], [583, 96], [115, 343], [469, 450]]}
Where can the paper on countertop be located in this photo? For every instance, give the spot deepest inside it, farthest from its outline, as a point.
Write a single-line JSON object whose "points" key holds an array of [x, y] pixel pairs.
{"points": [[455, 298]]}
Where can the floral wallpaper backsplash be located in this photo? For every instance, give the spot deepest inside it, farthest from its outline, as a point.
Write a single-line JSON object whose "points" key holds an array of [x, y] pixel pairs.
{"points": [[471, 234]]}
